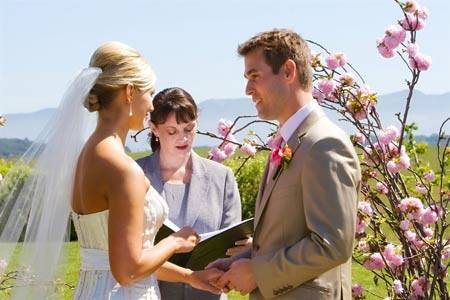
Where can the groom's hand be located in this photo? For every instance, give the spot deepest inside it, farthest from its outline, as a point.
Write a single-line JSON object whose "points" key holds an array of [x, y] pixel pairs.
{"points": [[239, 277]]}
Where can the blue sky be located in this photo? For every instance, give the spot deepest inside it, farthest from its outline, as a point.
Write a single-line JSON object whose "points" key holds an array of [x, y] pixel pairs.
{"points": [[192, 44]]}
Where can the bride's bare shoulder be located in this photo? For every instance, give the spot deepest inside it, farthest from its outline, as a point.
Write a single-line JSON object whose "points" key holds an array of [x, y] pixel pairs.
{"points": [[108, 155]]}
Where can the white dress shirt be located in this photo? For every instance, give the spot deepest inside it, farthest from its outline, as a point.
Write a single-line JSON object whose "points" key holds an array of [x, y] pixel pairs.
{"points": [[295, 120]]}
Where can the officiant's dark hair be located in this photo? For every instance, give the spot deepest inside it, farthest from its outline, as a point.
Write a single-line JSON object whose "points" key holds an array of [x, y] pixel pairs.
{"points": [[172, 100]]}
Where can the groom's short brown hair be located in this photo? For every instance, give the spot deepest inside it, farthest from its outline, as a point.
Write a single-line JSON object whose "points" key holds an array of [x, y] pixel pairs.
{"points": [[279, 45]]}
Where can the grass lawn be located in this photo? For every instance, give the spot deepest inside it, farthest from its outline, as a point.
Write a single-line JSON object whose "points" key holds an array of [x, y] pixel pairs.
{"points": [[360, 275]]}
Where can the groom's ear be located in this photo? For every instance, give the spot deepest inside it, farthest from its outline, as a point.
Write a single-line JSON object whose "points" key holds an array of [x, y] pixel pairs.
{"points": [[289, 70]]}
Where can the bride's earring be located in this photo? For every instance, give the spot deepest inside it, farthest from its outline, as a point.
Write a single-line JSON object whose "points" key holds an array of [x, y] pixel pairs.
{"points": [[130, 114], [157, 139]]}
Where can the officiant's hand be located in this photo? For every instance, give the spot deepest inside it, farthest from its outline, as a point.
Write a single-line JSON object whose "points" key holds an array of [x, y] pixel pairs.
{"points": [[241, 245], [239, 277], [204, 280], [185, 239]]}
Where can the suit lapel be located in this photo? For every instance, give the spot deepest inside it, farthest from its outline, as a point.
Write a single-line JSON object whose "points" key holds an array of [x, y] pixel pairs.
{"points": [[262, 185], [294, 143], [198, 189]]}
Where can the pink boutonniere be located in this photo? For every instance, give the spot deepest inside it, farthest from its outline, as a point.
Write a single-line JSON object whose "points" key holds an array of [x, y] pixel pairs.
{"points": [[280, 158]]}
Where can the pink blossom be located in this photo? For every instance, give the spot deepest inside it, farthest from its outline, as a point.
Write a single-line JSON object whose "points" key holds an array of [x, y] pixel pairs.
{"points": [[361, 225], [404, 161], [429, 216], [374, 262], [428, 232], [412, 206], [363, 246], [397, 287], [394, 36], [336, 60], [229, 149], [342, 58], [3, 265], [404, 225], [412, 22], [332, 62], [419, 286], [364, 207], [317, 94], [326, 86], [396, 261], [388, 135], [423, 13], [357, 290], [393, 259], [382, 188], [421, 189], [445, 253], [418, 244], [410, 235], [224, 127], [384, 50], [346, 79], [218, 155], [365, 90], [429, 176], [248, 149], [420, 62], [389, 251], [393, 167], [411, 6], [438, 209], [360, 138], [412, 49]]}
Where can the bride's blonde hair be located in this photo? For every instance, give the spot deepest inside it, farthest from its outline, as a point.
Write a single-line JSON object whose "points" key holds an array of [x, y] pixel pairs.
{"points": [[120, 65]]}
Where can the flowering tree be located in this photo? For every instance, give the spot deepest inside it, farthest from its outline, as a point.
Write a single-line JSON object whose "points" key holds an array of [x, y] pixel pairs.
{"points": [[402, 224], [2, 121]]}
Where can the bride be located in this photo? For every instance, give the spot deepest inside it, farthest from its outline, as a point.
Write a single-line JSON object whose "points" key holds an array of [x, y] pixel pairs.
{"points": [[115, 210]]}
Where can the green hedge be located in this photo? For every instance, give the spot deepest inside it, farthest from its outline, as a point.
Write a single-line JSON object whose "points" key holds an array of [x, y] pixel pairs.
{"points": [[248, 180]]}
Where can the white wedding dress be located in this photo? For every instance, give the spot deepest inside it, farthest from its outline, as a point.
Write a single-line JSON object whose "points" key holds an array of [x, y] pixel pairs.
{"points": [[95, 279]]}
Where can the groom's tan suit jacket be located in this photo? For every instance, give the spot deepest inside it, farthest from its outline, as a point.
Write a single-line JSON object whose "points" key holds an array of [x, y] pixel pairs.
{"points": [[305, 217]]}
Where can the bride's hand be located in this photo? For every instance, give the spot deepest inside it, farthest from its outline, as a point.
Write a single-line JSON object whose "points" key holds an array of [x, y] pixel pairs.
{"points": [[205, 280], [185, 239]]}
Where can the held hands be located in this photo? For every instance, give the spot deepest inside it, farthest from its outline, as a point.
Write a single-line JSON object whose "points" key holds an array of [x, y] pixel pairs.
{"points": [[203, 280], [238, 276], [185, 239]]}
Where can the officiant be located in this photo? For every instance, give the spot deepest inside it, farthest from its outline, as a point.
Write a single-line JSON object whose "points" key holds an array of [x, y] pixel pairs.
{"points": [[199, 192]]}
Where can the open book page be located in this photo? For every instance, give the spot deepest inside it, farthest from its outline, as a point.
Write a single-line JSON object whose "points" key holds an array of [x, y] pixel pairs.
{"points": [[207, 235], [171, 225], [213, 245]]}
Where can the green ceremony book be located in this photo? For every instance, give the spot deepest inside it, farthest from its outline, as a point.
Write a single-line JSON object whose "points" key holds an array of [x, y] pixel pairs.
{"points": [[212, 245]]}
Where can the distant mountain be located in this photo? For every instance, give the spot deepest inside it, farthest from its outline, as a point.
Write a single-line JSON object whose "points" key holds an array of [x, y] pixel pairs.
{"points": [[428, 111], [13, 147]]}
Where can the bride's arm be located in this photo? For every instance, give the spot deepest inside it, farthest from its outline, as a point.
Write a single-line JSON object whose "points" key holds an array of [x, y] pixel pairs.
{"points": [[126, 189]]}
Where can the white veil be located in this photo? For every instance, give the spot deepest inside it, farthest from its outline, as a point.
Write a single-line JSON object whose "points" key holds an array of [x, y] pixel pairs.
{"points": [[35, 196]]}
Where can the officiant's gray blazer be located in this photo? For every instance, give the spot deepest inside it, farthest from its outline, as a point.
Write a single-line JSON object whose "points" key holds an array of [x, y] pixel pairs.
{"points": [[213, 203]]}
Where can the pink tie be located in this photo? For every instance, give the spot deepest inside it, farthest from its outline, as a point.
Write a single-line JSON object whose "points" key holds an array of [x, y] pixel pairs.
{"points": [[275, 145]]}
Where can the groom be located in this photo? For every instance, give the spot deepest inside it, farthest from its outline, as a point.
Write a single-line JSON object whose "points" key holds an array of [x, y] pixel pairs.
{"points": [[306, 207]]}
